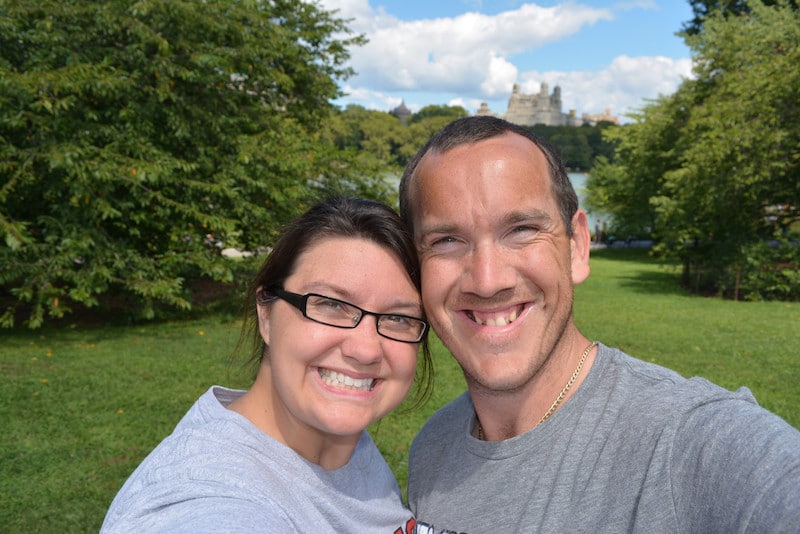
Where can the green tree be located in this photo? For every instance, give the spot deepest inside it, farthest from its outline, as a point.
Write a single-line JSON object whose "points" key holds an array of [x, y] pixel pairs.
{"points": [[130, 131], [739, 182], [578, 146], [373, 135], [716, 166], [644, 152], [702, 9], [419, 130], [382, 140], [574, 147], [428, 112]]}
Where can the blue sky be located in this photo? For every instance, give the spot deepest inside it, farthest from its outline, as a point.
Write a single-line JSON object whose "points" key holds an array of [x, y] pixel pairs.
{"points": [[603, 54]]}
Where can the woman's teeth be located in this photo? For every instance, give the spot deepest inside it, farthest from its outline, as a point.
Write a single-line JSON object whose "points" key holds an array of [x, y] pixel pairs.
{"points": [[340, 380]]}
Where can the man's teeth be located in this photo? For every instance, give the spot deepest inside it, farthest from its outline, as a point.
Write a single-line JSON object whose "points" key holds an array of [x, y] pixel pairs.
{"points": [[495, 320], [340, 380]]}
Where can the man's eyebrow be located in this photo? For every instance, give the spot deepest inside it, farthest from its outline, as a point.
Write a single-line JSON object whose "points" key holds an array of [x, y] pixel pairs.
{"points": [[443, 228], [533, 215]]}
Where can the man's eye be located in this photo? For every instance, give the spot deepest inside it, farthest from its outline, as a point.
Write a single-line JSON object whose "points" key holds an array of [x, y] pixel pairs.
{"points": [[443, 241], [446, 244], [524, 230]]}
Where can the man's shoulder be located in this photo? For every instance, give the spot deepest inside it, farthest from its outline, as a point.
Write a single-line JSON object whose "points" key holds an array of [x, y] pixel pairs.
{"points": [[651, 379], [653, 397]]}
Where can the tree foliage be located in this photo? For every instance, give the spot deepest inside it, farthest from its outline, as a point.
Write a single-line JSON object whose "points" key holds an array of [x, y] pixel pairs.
{"points": [[713, 171], [578, 146], [380, 139], [702, 9], [134, 135], [644, 152]]}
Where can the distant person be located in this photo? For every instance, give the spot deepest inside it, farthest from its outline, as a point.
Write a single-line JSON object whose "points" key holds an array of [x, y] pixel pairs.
{"points": [[337, 322], [558, 433]]}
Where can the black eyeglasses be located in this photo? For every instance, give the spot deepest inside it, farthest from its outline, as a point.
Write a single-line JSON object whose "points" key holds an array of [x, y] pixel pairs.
{"points": [[341, 314]]}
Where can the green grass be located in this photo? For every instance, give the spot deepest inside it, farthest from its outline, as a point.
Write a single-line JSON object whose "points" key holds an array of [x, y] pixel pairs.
{"points": [[80, 407], [635, 304]]}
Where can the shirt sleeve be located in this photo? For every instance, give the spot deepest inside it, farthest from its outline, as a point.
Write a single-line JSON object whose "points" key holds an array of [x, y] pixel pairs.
{"points": [[736, 468]]}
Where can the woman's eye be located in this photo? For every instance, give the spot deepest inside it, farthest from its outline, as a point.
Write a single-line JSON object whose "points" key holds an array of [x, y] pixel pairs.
{"points": [[330, 306], [397, 320]]}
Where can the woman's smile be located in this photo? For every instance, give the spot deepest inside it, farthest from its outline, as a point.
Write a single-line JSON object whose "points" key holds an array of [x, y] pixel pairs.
{"points": [[341, 380]]}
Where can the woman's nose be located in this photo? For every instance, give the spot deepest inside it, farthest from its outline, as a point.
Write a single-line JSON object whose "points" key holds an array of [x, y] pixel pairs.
{"points": [[363, 343]]}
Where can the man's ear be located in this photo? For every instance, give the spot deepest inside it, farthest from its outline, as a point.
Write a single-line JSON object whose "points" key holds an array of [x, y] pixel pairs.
{"points": [[580, 243]]}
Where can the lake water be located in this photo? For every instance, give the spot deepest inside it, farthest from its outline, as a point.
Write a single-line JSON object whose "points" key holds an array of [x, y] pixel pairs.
{"points": [[578, 180]]}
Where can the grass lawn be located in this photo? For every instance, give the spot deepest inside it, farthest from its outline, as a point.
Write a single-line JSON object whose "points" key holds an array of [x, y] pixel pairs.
{"points": [[80, 407]]}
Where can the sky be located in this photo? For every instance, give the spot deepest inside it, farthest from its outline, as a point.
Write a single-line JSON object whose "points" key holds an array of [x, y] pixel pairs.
{"points": [[602, 54]]}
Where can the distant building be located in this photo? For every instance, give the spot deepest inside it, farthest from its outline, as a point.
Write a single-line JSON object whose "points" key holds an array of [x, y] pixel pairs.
{"points": [[401, 112], [544, 108], [599, 117], [484, 110]]}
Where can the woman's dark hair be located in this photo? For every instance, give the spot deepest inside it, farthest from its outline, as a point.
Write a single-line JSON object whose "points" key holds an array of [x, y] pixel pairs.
{"points": [[470, 130], [335, 217]]}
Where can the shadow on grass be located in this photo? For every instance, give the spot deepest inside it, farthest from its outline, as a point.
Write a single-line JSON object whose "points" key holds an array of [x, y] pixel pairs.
{"points": [[642, 273], [649, 282], [114, 314], [640, 255]]}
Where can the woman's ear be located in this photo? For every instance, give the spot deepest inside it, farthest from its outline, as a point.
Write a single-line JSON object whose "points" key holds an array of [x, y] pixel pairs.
{"points": [[263, 308]]}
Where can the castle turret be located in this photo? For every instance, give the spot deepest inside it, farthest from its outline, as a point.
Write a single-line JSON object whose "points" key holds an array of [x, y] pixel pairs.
{"points": [[543, 91], [484, 110], [401, 112]]}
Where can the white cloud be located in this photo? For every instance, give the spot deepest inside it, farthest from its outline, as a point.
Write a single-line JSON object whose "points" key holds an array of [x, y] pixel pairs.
{"points": [[468, 53], [467, 59], [501, 75]]}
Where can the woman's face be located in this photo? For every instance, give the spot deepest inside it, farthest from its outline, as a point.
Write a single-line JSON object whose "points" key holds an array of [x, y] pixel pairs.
{"points": [[337, 381]]}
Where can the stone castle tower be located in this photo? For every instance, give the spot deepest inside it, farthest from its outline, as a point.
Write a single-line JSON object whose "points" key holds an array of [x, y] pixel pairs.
{"points": [[401, 112], [542, 108]]}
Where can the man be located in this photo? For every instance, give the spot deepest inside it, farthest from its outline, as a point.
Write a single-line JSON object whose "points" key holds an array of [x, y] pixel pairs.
{"points": [[557, 433]]}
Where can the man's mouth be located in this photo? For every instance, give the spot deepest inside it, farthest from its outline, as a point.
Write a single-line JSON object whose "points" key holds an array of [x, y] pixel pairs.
{"points": [[339, 380], [494, 318]]}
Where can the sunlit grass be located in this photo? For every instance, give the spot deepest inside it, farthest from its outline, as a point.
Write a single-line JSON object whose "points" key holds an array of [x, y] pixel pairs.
{"points": [[81, 407]]}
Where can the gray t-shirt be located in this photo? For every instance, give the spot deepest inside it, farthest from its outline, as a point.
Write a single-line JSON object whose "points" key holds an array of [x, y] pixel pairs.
{"points": [[217, 472], [637, 448]]}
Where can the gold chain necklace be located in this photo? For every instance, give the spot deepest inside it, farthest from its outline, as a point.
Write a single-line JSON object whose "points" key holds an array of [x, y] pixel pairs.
{"points": [[561, 395]]}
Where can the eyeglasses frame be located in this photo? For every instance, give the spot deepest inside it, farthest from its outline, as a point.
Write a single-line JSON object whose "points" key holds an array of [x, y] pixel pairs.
{"points": [[300, 302]]}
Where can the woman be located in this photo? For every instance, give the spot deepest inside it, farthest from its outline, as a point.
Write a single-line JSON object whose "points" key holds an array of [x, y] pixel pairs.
{"points": [[337, 327]]}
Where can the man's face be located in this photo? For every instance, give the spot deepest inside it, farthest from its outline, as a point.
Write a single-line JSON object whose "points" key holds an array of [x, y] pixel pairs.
{"points": [[497, 265]]}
